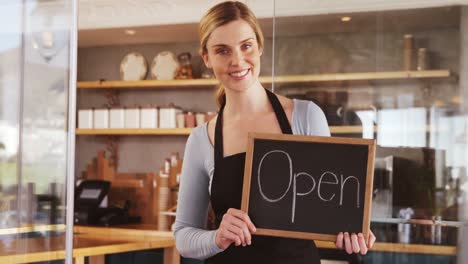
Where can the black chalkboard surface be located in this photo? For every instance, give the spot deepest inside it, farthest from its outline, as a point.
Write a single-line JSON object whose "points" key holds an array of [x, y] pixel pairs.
{"points": [[308, 187]]}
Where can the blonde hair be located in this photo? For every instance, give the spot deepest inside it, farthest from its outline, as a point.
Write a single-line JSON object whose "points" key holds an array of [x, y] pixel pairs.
{"points": [[222, 14]]}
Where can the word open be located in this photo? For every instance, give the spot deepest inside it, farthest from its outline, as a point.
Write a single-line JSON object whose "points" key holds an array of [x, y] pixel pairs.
{"points": [[326, 178]]}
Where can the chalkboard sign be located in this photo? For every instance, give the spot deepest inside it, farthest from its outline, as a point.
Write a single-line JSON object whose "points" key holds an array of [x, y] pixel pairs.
{"points": [[308, 187]]}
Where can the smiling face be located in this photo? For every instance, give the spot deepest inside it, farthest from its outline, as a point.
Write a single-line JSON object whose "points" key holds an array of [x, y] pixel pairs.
{"points": [[234, 55]]}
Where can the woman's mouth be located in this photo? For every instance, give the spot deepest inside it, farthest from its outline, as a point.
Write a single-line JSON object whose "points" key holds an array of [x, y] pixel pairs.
{"points": [[239, 74]]}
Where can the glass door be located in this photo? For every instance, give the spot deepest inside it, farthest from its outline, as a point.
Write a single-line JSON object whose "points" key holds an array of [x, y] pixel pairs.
{"points": [[396, 76], [37, 87]]}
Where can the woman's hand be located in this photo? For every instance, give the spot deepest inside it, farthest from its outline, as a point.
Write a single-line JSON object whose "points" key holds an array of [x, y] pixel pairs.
{"points": [[236, 227], [355, 242]]}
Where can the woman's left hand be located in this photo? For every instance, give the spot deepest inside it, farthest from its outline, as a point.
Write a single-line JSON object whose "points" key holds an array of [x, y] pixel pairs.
{"points": [[355, 243]]}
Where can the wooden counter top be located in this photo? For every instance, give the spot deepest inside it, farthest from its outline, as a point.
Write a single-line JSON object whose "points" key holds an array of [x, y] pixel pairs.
{"points": [[98, 241], [89, 241], [150, 231], [138, 231]]}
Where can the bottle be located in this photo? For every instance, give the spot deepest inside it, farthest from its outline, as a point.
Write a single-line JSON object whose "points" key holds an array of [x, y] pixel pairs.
{"points": [[404, 230], [436, 230], [408, 52], [163, 197], [167, 166], [174, 169]]}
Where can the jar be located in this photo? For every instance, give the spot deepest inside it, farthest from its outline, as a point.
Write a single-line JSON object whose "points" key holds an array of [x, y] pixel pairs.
{"points": [[149, 117], [167, 116], [422, 59], [85, 118], [185, 70], [189, 119], [207, 74], [180, 120], [117, 117], [101, 118], [408, 44], [200, 118], [132, 117]]}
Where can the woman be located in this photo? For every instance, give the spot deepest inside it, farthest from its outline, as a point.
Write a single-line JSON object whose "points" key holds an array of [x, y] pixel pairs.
{"points": [[231, 44]]}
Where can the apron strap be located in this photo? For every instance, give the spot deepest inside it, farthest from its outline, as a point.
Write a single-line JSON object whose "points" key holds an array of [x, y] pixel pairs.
{"points": [[218, 137], [280, 116]]}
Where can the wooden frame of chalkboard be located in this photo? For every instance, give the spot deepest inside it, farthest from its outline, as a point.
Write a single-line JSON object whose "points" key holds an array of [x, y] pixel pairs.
{"points": [[267, 213]]}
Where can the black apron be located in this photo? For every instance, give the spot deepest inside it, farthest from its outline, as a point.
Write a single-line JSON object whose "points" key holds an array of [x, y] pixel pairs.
{"points": [[226, 192]]}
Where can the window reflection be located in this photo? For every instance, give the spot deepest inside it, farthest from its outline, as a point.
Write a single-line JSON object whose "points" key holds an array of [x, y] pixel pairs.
{"points": [[419, 123], [401, 127]]}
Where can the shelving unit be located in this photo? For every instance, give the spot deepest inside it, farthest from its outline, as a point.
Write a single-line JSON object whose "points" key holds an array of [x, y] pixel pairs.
{"points": [[185, 131], [280, 80]]}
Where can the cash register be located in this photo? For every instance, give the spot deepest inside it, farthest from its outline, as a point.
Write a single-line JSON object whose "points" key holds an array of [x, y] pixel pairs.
{"points": [[89, 206]]}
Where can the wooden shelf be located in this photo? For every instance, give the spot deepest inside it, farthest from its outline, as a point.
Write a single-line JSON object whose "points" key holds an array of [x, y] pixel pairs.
{"points": [[358, 76], [336, 130], [183, 131], [289, 79], [195, 83], [139, 131]]}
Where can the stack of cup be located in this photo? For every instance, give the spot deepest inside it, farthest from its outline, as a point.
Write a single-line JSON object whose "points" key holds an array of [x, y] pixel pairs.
{"points": [[164, 201]]}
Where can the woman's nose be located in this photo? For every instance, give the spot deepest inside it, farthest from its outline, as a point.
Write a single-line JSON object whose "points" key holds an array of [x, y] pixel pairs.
{"points": [[237, 58]]}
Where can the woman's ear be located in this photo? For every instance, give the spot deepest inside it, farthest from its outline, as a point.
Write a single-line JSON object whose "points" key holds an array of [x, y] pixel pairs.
{"points": [[206, 60], [260, 51]]}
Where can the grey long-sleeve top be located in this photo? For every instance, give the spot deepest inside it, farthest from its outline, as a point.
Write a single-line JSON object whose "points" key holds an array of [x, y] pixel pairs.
{"points": [[192, 238]]}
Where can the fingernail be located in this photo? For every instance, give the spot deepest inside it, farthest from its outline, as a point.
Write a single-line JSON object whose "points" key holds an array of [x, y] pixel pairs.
{"points": [[249, 242]]}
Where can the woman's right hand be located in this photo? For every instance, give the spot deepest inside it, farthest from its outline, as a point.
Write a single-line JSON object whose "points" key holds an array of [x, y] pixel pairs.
{"points": [[236, 227]]}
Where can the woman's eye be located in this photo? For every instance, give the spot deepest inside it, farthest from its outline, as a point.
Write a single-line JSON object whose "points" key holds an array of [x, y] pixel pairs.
{"points": [[247, 46], [222, 51]]}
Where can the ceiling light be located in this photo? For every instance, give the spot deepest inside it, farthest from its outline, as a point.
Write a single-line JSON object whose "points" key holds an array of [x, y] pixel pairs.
{"points": [[130, 32], [346, 19], [48, 36]]}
